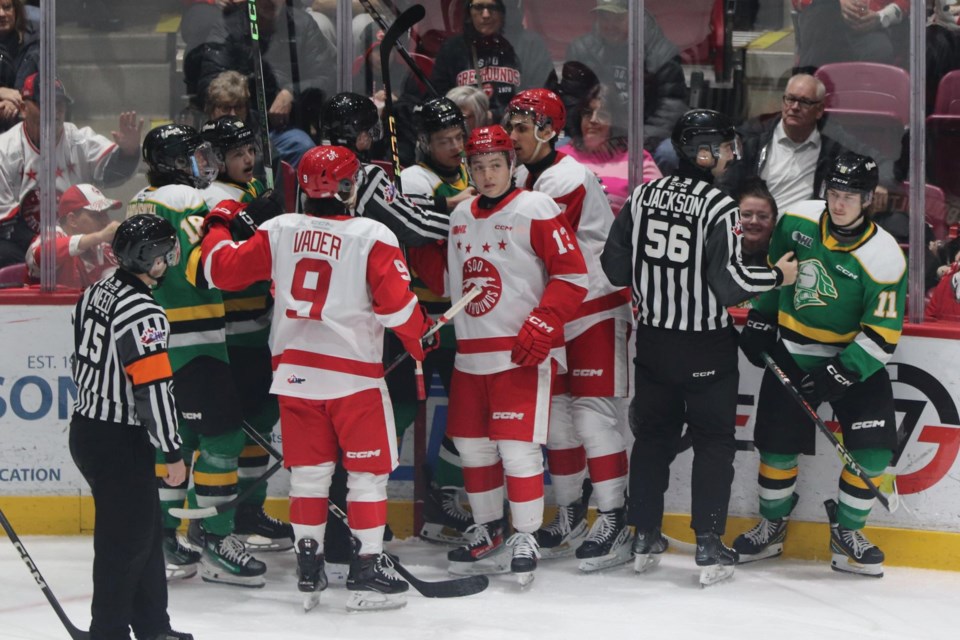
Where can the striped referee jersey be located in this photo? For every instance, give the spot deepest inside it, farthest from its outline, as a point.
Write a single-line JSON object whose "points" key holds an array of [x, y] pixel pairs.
{"points": [[409, 216], [120, 361], [677, 243]]}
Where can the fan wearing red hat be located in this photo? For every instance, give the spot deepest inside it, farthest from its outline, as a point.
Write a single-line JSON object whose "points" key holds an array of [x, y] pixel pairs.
{"points": [[82, 156], [517, 247], [84, 234]]}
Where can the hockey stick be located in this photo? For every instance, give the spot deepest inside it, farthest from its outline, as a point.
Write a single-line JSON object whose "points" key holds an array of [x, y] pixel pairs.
{"points": [[75, 633], [208, 512], [261, 91], [454, 588], [401, 25], [891, 503], [454, 309], [407, 58]]}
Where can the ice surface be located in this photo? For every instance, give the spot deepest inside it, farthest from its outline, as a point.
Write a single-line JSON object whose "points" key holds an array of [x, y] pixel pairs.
{"points": [[774, 599]]}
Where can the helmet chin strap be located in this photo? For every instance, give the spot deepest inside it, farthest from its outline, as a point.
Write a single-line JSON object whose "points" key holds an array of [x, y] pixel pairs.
{"points": [[541, 141]]}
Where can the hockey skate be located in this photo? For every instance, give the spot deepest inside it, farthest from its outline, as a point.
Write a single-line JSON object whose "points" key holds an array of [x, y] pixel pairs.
{"points": [[608, 543], [260, 531], [374, 584], [170, 634], [195, 536], [715, 559], [765, 539], [485, 553], [526, 551], [564, 534], [444, 518], [647, 548], [852, 551], [181, 562], [311, 577], [225, 560]]}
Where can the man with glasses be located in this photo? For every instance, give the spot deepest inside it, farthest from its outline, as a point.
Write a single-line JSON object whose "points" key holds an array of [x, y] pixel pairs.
{"points": [[789, 152], [493, 53]]}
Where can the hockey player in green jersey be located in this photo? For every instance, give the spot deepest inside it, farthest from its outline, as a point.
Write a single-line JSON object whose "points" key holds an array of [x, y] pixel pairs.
{"points": [[180, 163], [248, 330], [440, 176], [838, 325]]}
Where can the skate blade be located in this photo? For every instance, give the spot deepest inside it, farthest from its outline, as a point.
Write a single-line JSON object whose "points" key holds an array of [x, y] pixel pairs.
{"points": [[772, 551], [840, 562], [434, 532], [496, 563], [374, 601], [568, 546], [714, 573], [209, 574], [255, 543], [310, 601], [180, 571], [525, 579], [643, 562], [615, 558]]}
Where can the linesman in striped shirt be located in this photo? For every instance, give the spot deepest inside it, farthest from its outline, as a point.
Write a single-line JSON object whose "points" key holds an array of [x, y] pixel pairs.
{"points": [[124, 410], [677, 242]]}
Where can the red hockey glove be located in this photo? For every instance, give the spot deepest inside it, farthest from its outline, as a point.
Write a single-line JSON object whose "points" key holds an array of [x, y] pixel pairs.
{"points": [[234, 216], [535, 338], [419, 348]]}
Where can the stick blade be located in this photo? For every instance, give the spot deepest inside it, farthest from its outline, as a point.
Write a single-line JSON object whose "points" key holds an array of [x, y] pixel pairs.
{"points": [[402, 24], [456, 588], [193, 514]]}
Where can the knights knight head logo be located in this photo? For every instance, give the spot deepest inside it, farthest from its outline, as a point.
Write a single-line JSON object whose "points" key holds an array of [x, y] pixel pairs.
{"points": [[813, 284]]}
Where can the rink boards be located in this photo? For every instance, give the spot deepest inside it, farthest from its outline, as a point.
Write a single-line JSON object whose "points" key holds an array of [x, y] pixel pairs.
{"points": [[42, 492]]}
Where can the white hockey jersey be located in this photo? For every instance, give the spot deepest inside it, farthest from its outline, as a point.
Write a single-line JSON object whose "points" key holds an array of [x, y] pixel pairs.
{"points": [[338, 282], [523, 255], [82, 155], [584, 204]]}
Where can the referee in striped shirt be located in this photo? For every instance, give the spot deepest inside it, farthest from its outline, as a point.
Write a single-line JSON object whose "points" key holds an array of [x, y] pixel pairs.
{"points": [[124, 409], [677, 243]]}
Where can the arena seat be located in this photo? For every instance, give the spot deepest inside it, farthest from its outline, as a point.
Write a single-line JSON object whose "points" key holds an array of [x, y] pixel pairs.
{"points": [[867, 86], [13, 275], [288, 177], [948, 94], [943, 161]]}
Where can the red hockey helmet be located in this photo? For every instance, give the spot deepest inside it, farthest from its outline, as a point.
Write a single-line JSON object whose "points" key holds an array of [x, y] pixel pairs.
{"points": [[329, 172], [544, 105], [489, 140]]}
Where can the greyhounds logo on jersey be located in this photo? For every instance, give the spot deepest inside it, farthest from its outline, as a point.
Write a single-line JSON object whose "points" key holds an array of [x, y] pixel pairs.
{"points": [[389, 193], [477, 272], [813, 281], [295, 379], [152, 336]]}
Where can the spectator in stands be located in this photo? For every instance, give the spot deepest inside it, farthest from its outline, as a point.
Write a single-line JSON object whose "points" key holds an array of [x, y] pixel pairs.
{"points": [[605, 51], [295, 86], [599, 142], [758, 217], [787, 151], [495, 45], [944, 303], [19, 57], [83, 156], [574, 86], [84, 234], [474, 104], [228, 95], [852, 30]]}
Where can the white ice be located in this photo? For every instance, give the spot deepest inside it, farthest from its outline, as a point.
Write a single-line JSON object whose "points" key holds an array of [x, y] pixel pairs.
{"points": [[775, 599]]}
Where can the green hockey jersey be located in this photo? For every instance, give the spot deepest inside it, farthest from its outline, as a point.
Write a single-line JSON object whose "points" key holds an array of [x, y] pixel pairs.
{"points": [[196, 313], [248, 312], [848, 298]]}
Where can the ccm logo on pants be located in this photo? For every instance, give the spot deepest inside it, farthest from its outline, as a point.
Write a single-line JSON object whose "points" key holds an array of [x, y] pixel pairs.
{"points": [[507, 415], [363, 454], [867, 424]]}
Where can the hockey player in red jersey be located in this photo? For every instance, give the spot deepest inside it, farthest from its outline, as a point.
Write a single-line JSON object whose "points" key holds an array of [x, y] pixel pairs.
{"points": [[340, 280], [585, 408], [520, 250]]}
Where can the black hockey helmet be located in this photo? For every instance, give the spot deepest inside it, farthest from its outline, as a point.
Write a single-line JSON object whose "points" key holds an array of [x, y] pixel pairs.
{"points": [[853, 172], [437, 114], [226, 133], [176, 154], [702, 128], [346, 116], [141, 239]]}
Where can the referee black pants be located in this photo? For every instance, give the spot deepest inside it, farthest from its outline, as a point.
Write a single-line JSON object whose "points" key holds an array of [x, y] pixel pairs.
{"points": [[683, 377], [129, 579]]}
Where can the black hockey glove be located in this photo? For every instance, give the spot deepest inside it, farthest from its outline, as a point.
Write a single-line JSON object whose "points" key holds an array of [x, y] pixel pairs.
{"points": [[828, 382], [269, 205], [758, 336]]}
